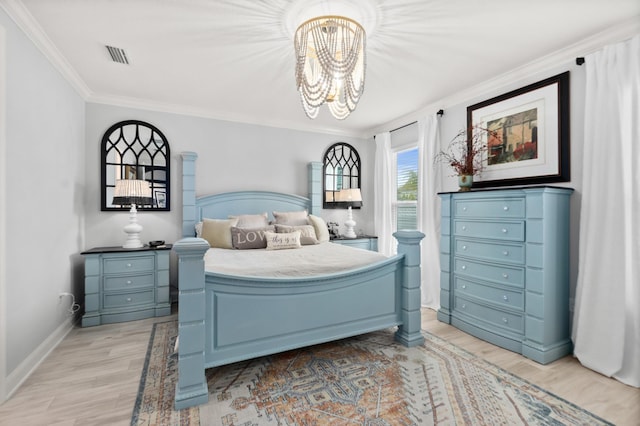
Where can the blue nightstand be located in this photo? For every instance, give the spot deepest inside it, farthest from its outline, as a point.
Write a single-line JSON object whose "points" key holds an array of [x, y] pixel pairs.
{"points": [[367, 242], [125, 284]]}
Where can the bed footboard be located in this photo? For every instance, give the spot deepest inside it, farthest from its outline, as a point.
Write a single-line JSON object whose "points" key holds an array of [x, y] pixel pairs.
{"points": [[224, 319]]}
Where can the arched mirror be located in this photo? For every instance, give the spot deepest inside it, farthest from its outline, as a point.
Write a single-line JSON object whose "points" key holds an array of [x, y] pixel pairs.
{"points": [[135, 150], [341, 170]]}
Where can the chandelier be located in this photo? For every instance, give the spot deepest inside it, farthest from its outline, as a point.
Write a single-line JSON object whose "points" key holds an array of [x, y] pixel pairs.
{"points": [[330, 64]]}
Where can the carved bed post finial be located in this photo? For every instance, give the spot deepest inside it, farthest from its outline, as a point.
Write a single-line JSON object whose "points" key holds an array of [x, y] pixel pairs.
{"points": [[191, 388], [409, 332]]}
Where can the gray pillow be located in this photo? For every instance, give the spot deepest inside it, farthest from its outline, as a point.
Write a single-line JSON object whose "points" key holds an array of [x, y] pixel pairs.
{"points": [[291, 218], [249, 238], [307, 233]]}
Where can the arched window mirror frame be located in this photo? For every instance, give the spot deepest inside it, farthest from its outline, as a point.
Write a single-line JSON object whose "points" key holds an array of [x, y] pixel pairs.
{"points": [[340, 170], [155, 147]]}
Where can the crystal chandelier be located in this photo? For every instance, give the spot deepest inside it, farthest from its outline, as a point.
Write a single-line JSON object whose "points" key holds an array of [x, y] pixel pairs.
{"points": [[330, 64]]}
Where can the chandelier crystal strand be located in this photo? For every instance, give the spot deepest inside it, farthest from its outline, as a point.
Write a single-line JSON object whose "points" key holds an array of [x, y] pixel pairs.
{"points": [[330, 64]]}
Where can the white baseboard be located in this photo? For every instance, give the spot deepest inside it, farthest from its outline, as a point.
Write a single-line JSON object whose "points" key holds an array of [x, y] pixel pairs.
{"points": [[28, 366]]}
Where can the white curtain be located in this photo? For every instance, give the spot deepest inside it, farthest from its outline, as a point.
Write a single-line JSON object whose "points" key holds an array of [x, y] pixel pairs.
{"points": [[429, 210], [606, 323], [382, 185]]}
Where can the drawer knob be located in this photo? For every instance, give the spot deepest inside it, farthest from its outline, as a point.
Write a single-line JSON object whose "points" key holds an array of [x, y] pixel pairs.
{"points": [[506, 253], [464, 306], [128, 299], [504, 320], [464, 209], [463, 267], [464, 247], [464, 228], [504, 230], [128, 282], [464, 286], [505, 208], [128, 265], [505, 297], [505, 276]]}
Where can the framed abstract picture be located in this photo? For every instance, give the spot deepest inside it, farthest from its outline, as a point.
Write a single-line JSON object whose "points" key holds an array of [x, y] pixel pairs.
{"points": [[529, 139]]}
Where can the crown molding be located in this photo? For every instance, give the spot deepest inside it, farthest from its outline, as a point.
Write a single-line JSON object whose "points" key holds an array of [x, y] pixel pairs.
{"points": [[28, 24], [144, 104], [523, 73]]}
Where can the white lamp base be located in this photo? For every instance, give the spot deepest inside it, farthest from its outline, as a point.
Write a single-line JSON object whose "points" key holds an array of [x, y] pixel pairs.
{"points": [[350, 224], [133, 230]]}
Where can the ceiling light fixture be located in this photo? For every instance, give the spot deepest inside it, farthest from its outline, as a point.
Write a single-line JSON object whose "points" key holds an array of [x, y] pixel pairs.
{"points": [[330, 64]]}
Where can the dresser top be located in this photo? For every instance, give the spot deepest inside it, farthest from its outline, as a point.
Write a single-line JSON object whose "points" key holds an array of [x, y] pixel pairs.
{"points": [[118, 249], [508, 188]]}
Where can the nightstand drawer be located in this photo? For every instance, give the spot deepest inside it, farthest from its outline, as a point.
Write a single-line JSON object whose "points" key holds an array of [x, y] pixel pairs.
{"points": [[508, 231], [503, 208], [128, 299], [507, 320], [501, 274], [499, 252], [507, 297], [120, 265], [128, 282]]}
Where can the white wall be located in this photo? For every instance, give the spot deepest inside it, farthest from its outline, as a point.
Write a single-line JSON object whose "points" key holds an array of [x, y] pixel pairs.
{"points": [[231, 156], [44, 211]]}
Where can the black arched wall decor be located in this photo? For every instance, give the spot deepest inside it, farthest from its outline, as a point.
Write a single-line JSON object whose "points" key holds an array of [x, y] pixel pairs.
{"points": [[134, 149], [340, 170]]}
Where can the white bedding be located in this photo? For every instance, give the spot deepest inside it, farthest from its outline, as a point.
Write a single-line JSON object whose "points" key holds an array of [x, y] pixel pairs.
{"points": [[311, 260]]}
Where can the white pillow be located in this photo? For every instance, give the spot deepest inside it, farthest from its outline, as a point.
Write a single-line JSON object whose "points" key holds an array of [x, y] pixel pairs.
{"points": [[218, 232], [277, 241], [320, 226], [291, 218], [199, 229]]}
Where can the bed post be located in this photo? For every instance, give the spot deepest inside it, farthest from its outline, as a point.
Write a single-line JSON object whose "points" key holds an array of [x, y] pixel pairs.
{"points": [[315, 187], [191, 388], [409, 244], [188, 193]]}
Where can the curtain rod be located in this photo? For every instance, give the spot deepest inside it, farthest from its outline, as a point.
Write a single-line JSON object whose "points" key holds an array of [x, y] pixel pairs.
{"points": [[440, 112], [402, 127]]}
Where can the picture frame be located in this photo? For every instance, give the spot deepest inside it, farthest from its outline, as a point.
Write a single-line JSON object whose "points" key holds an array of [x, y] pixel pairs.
{"points": [[161, 199], [529, 141]]}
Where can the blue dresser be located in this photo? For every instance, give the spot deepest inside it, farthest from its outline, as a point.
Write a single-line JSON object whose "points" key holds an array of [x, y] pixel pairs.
{"points": [[504, 259], [125, 284]]}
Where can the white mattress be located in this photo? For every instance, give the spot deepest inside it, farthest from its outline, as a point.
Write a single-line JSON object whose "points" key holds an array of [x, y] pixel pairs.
{"points": [[312, 260]]}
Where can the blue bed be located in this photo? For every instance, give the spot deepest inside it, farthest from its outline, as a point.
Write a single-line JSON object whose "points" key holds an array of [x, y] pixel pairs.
{"points": [[224, 319]]}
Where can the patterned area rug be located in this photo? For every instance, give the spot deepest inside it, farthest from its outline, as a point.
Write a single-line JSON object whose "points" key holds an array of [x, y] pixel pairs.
{"points": [[365, 380]]}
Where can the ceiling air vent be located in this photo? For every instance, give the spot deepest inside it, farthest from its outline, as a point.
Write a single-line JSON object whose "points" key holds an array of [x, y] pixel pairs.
{"points": [[118, 55]]}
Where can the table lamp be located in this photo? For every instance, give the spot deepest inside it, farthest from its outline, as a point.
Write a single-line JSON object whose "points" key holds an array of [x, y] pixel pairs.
{"points": [[132, 192], [353, 198]]}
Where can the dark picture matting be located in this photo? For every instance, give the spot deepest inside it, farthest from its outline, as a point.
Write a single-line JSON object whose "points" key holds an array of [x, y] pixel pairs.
{"points": [[529, 139]]}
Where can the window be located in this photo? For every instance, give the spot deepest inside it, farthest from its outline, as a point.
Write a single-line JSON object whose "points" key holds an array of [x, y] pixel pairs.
{"points": [[405, 206]]}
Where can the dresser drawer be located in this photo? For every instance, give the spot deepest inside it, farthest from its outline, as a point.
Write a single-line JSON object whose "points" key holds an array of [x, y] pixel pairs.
{"points": [[128, 299], [508, 208], [501, 274], [507, 297], [128, 281], [499, 252], [489, 314], [119, 265], [507, 231]]}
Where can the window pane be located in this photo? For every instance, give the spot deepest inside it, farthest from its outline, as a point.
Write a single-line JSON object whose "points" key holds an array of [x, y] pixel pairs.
{"points": [[407, 189], [407, 175]]}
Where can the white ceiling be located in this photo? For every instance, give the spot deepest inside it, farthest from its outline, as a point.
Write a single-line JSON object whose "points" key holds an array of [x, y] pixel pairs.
{"points": [[234, 60]]}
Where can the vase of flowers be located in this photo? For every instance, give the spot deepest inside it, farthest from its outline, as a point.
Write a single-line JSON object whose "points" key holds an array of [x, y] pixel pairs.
{"points": [[464, 155]]}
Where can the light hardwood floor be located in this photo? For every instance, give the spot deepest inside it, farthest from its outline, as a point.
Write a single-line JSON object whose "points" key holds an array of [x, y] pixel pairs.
{"points": [[92, 378]]}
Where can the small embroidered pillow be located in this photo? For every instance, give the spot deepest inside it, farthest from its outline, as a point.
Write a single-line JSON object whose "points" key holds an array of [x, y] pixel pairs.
{"points": [[277, 241]]}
